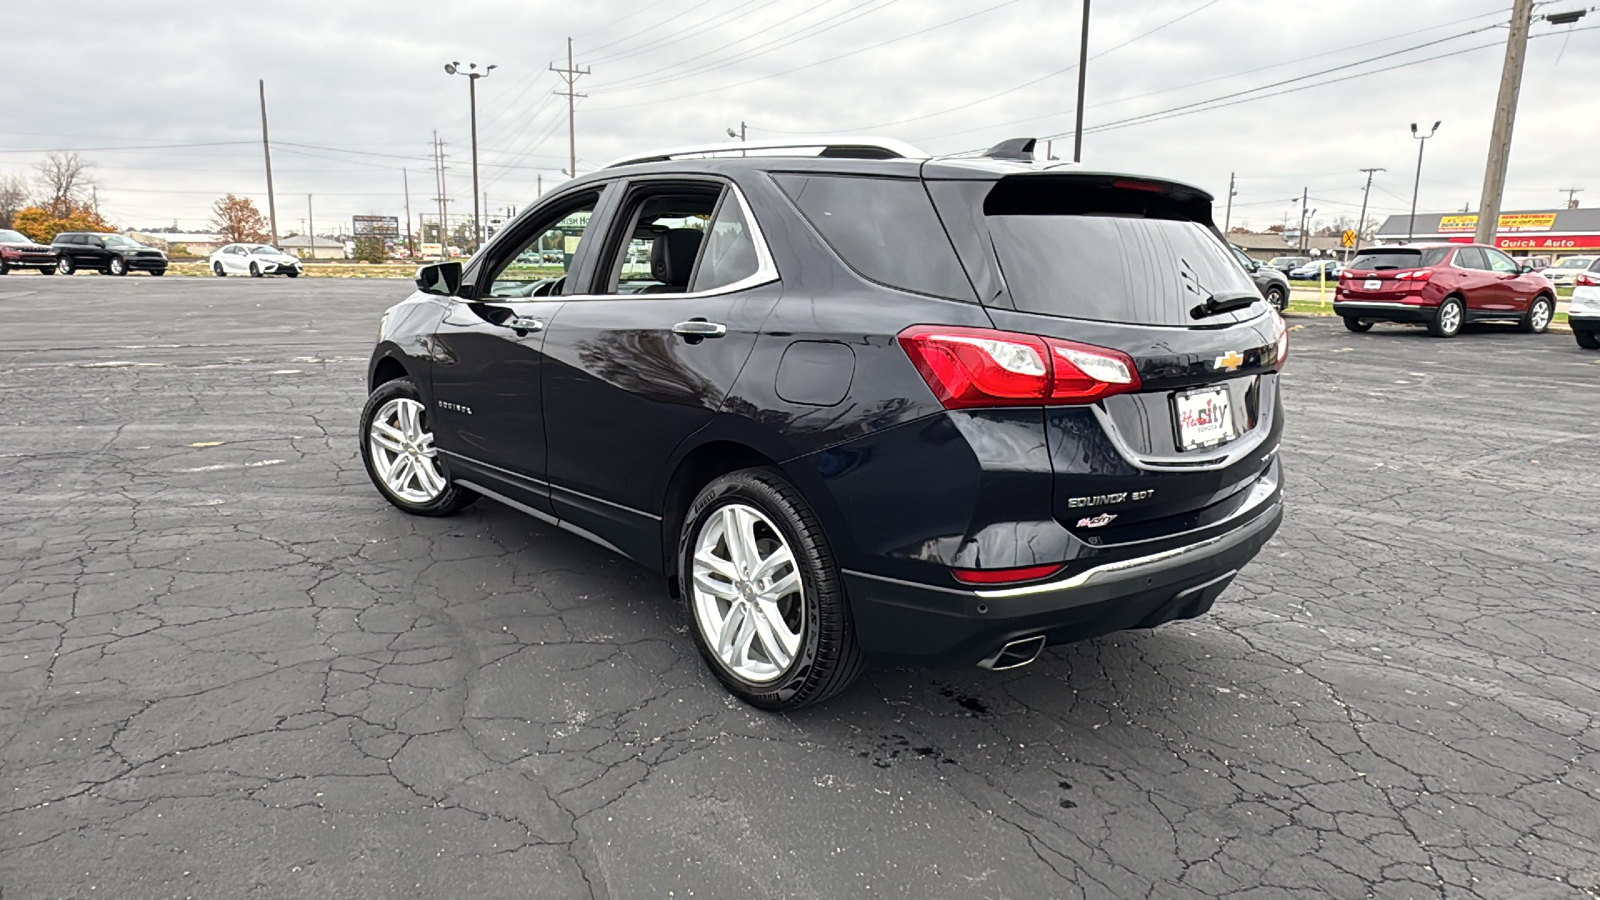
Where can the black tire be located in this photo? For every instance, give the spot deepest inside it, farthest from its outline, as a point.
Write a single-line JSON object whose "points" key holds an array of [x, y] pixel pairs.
{"points": [[1588, 340], [66, 266], [255, 271], [218, 270], [118, 266], [1357, 325], [1278, 297], [1539, 304], [828, 658], [158, 272], [1444, 323], [292, 273], [451, 500], [47, 270], [4, 269]]}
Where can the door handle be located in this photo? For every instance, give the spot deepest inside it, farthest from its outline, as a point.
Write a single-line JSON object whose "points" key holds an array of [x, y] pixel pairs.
{"points": [[525, 323], [700, 328]]}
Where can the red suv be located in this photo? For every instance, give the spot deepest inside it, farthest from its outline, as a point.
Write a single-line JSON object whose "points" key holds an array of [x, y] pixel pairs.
{"points": [[1442, 286]]}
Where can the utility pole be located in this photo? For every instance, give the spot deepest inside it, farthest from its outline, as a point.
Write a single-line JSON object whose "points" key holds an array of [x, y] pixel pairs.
{"points": [[311, 218], [1572, 196], [411, 247], [266, 148], [570, 76], [1361, 221], [439, 195], [1305, 195], [1505, 114], [540, 181], [1227, 217], [1083, 74], [1411, 225]]}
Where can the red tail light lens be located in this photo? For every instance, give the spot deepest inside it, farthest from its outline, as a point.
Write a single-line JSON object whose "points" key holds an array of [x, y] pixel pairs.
{"points": [[1281, 339], [979, 367], [1414, 275], [1585, 278], [1005, 576]]}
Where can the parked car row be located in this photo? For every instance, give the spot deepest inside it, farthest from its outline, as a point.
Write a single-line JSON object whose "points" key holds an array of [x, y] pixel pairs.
{"points": [[109, 254]]}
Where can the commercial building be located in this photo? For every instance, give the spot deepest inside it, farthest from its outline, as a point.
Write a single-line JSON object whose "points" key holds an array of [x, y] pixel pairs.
{"points": [[1546, 232]]}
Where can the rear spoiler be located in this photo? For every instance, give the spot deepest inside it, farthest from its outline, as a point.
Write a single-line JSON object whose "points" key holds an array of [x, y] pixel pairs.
{"points": [[1051, 193]]}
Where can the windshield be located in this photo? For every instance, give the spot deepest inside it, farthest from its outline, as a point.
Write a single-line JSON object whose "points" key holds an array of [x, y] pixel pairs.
{"points": [[1574, 262], [8, 236], [1397, 258], [1113, 268], [117, 240]]}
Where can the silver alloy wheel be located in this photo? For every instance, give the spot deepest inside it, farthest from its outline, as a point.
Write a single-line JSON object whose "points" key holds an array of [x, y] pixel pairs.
{"points": [[748, 599], [403, 453], [118, 267], [1541, 314], [1450, 318]]}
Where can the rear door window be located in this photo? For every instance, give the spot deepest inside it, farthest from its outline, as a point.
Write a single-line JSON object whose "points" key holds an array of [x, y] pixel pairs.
{"points": [[729, 255], [883, 228], [1471, 258]]}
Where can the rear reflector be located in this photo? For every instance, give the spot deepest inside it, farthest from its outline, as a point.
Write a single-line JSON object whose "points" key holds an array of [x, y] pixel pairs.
{"points": [[1005, 576], [982, 367]]}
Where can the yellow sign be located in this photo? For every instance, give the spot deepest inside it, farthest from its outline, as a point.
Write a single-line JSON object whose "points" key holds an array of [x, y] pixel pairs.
{"points": [[1508, 222], [1348, 238]]}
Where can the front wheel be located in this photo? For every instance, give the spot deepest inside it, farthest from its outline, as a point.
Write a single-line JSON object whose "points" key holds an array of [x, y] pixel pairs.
{"points": [[1540, 312], [118, 266], [770, 614], [1588, 340], [217, 268], [1446, 321], [397, 450], [255, 271], [158, 272], [47, 270], [1278, 297], [1357, 325], [293, 273], [66, 266]]}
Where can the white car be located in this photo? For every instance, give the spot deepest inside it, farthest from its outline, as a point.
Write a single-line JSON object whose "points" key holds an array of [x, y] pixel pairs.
{"points": [[1565, 272], [1584, 313], [255, 260]]}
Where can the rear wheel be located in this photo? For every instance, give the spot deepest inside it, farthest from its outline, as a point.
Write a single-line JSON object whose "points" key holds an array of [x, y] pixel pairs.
{"points": [[769, 611], [1540, 312], [118, 267], [1447, 319], [1278, 297], [1357, 325], [397, 450], [1588, 340]]}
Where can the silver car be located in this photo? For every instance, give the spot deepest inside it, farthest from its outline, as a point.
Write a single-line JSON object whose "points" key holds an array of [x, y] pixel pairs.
{"points": [[254, 260]]}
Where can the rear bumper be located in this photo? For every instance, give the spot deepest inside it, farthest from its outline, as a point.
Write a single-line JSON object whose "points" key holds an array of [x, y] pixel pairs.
{"points": [[1384, 311], [940, 625]]}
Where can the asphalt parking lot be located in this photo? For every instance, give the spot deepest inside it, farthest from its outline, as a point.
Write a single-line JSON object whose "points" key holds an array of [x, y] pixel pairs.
{"points": [[230, 669]]}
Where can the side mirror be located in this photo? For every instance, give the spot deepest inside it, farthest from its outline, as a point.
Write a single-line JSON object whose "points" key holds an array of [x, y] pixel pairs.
{"points": [[1255, 265], [440, 279], [1525, 269]]}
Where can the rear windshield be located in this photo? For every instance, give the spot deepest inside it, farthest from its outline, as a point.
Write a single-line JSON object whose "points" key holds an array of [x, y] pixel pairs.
{"points": [[1113, 268], [1398, 258]]}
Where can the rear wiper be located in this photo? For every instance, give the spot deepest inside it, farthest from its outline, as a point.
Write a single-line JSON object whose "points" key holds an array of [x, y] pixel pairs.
{"points": [[1226, 301]]}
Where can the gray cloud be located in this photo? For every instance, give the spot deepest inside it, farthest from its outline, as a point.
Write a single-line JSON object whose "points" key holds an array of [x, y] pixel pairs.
{"points": [[365, 79]]}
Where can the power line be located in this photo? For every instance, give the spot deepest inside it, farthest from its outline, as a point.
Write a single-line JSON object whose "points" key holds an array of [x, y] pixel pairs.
{"points": [[700, 58]]}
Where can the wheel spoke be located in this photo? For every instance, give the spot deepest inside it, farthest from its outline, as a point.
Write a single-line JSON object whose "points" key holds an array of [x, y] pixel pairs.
{"points": [[780, 643], [408, 420], [783, 587], [391, 474], [728, 635], [774, 561], [704, 581], [428, 477], [717, 565], [387, 438], [742, 540]]}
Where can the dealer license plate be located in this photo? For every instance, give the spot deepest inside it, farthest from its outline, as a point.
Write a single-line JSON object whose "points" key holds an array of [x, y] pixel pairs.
{"points": [[1205, 418], [1371, 284]]}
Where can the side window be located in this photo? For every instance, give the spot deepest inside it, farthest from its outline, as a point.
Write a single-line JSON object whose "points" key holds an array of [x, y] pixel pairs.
{"points": [[730, 251], [540, 262], [663, 230], [884, 228], [1499, 262], [1471, 258]]}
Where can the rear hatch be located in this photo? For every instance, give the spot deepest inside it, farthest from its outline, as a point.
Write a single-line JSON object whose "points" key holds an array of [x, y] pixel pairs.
{"points": [[1135, 266], [1390, 273]]}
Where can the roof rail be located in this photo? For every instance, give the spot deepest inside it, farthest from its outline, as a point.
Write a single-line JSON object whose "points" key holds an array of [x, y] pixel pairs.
{"points": [[834, 147]]}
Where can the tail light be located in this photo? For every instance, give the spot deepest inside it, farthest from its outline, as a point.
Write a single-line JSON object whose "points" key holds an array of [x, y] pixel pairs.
{"points": [[1584, 278], [980, 367], [1281, 339], [1005, 576], [1418, 275]]}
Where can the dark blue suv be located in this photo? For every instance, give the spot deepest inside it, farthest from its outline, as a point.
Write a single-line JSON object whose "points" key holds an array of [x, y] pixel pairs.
{"points": [[851, 400]]}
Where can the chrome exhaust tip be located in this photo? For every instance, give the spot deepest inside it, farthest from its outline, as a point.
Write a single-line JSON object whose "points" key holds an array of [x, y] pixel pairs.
{"points": [[1015, 654]]}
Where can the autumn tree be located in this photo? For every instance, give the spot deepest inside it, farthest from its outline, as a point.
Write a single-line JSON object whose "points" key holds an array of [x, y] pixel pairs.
{"points": [[237, 220], [42, 223], [13, 198], [64, 183]]}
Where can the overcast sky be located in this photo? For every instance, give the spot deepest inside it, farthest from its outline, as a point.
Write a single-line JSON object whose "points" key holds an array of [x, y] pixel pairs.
{"points": [[360, 87]]}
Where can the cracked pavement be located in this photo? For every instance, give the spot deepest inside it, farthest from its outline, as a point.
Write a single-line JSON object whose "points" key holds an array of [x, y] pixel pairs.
{"points": [[230, 669]]}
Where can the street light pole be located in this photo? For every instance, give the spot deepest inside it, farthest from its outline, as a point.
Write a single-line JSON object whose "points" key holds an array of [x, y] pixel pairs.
{"points": [[1411, 225], [454, 68], [1083, 74], [1361, 222]]}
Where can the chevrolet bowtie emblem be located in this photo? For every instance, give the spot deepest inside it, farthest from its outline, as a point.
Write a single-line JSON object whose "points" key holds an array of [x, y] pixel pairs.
{"points": [[1230, 361]]}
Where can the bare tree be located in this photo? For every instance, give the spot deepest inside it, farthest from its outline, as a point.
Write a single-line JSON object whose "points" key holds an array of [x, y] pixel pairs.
{"points": [[63, 181], [13, 198]]}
